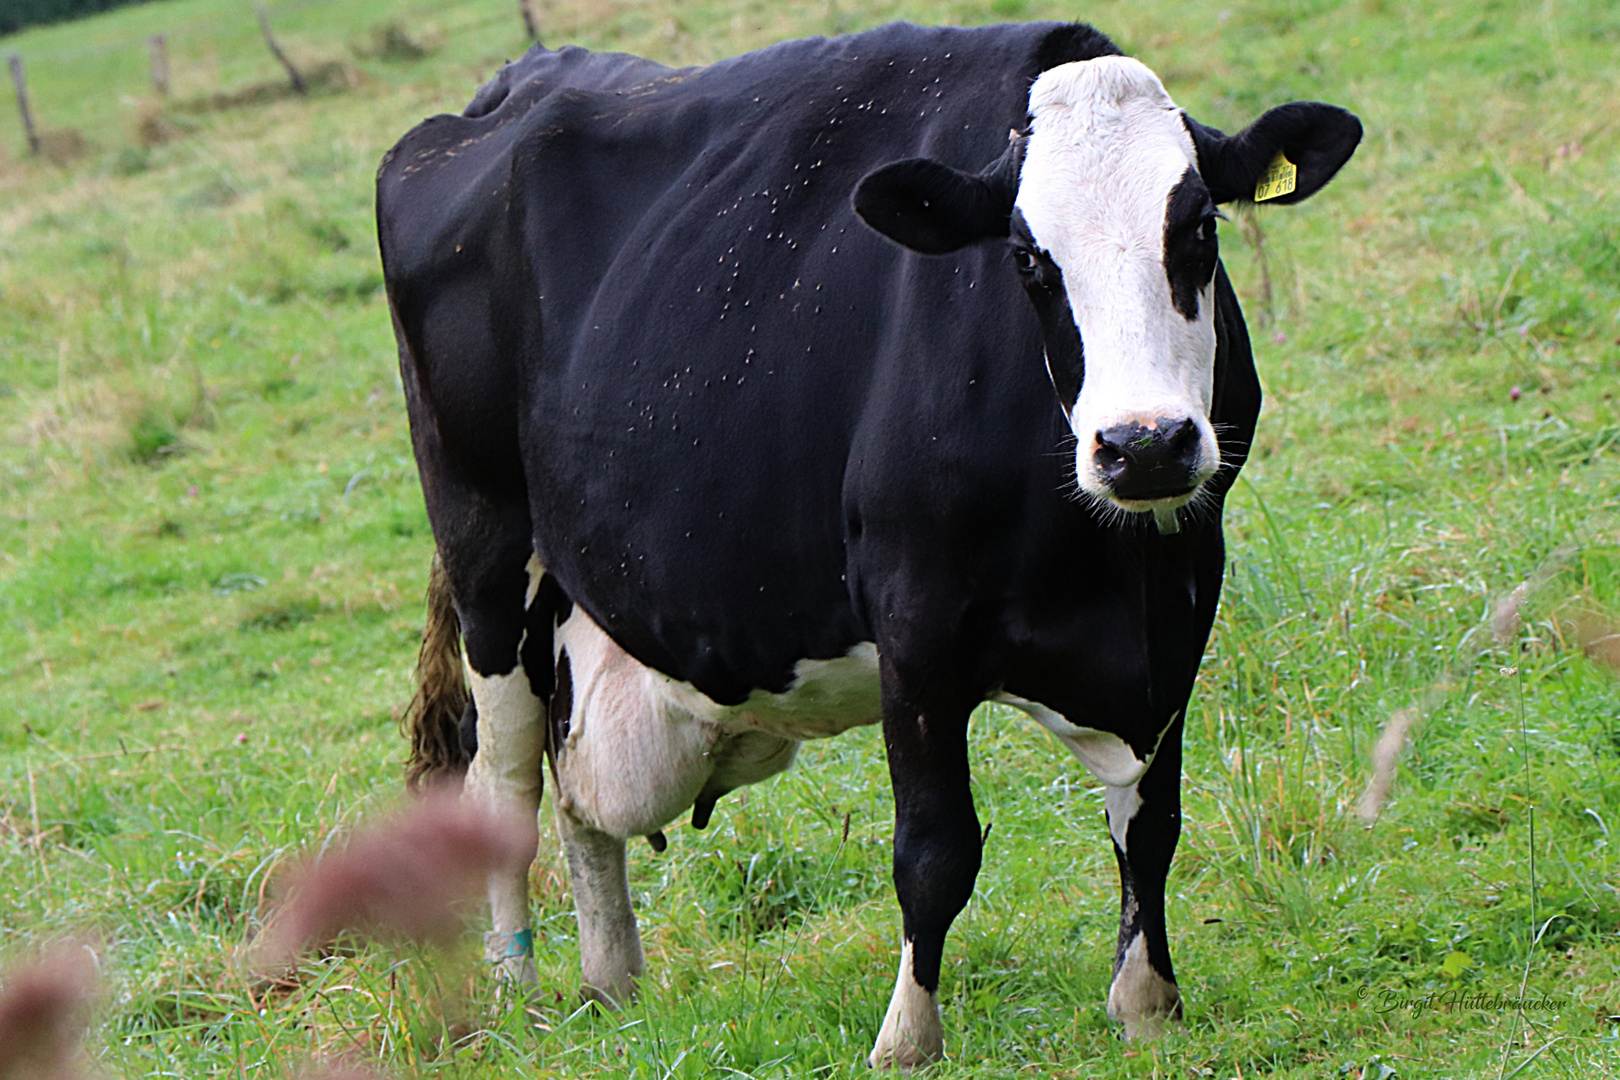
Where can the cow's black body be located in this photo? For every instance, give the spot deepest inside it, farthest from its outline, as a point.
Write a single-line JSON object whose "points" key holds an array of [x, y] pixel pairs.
{"points": [[747, 418], [643, 333]]}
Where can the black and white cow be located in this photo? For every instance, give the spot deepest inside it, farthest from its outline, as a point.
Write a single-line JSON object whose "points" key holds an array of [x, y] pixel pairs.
{"points": [[757, 401]]}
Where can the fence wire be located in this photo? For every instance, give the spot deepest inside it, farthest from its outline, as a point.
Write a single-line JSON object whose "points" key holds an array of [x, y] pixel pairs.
{"points": [[209, 26], [210, 49]]}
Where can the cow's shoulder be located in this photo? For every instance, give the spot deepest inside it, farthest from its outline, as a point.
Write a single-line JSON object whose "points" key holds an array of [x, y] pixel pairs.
{"points": [[570, 66]]}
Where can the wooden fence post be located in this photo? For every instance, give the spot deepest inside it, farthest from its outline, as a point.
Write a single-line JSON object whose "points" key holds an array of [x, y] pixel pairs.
{"points": [[158, 46], [22, 102], [531, 22], [298, 84]]}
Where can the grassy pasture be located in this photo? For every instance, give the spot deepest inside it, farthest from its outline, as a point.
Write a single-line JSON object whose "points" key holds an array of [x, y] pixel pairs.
{"points": [[212, 550]]}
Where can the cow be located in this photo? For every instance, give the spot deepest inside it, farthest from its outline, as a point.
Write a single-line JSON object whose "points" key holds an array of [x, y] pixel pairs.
{"points": [[854, 380]]}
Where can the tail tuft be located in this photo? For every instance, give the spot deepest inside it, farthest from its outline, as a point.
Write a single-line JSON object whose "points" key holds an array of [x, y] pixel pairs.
{"points": [[432, 721]]}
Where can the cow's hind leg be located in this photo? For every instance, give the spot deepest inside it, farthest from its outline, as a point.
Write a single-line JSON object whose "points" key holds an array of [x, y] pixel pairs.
{"points": [[629, 759], [1145, 821], [610, 955], [495, 595]]}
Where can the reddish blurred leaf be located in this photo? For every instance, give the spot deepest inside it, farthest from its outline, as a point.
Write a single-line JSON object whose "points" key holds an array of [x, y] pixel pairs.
{"points": [[400, 879], [44, 1008]]}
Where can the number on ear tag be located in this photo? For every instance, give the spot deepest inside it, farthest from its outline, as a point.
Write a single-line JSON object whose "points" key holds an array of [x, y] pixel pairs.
{"points": [[1280, 178]]}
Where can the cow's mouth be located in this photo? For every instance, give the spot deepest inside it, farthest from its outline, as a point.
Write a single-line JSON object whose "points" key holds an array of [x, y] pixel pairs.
{"points": [[1157, 500]]}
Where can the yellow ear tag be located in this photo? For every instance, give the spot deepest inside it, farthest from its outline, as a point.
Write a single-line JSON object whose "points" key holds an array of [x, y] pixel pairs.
{"points": [[1280, 178]]}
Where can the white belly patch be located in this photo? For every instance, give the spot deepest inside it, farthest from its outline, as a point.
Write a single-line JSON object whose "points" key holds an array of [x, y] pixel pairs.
{"points": [[640, 746], [635, 730], [827, 697]]}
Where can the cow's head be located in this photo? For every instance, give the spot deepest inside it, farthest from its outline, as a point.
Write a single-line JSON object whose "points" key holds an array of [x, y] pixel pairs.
{"points": [[1107, 207]]}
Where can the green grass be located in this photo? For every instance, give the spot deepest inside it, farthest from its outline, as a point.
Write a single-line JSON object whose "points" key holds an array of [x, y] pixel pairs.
{"points": [[212, 551]]}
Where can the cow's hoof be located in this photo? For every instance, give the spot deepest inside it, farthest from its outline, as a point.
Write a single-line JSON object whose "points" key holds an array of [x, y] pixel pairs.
{"points": [[1149, 1026], [612, 997], [519, 972], [912, 1034], [1142, 999], [910, 1037], [904, 1057], [512, 956]]}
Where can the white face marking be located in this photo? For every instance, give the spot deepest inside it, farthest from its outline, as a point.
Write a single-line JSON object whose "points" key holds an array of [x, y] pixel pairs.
{"points": [[1107, 146]]}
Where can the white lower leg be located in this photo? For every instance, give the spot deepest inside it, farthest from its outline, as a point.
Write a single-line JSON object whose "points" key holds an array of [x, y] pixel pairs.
{"points": [[912, 1034], [1140, 998], [505, 777], [609, 943]]}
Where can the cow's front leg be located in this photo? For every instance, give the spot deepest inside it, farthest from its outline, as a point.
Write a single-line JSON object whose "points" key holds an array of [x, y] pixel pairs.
{"points": [[936, 858], [1145, 821]]}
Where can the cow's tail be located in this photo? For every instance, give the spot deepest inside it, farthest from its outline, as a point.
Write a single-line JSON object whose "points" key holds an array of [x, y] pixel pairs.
{"points": [[432, 721]]}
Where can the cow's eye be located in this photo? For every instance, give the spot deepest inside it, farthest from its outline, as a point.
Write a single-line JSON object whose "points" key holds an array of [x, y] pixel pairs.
{"points": [[1024, 259], [1206, 230]]}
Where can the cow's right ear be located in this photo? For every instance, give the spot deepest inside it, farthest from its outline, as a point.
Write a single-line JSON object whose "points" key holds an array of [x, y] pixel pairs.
{"points": [[928, 206]]}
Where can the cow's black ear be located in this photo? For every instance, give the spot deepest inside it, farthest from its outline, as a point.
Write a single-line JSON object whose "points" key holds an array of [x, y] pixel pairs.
{"points": [[930, 207], [1317, 138]]}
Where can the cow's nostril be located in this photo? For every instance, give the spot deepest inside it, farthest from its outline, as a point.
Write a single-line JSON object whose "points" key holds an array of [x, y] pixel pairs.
{"points": [[1110, 449], [1182, 435]]}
